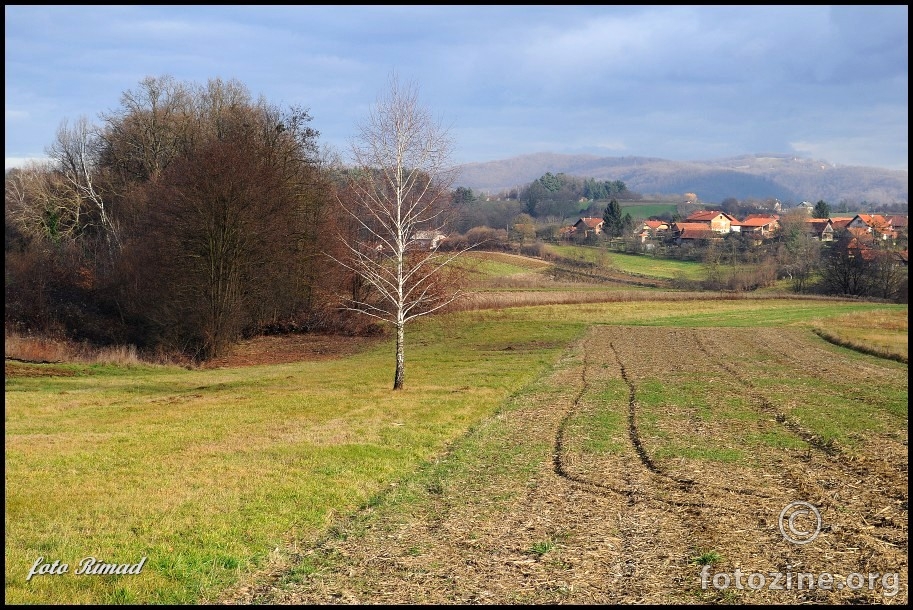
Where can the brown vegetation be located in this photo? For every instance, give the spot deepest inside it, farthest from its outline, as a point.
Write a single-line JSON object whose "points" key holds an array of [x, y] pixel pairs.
{"points": [[193, 216]]}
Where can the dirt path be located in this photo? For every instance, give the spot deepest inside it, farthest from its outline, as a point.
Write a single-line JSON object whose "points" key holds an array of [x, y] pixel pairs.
{"points": [[535, 507]]}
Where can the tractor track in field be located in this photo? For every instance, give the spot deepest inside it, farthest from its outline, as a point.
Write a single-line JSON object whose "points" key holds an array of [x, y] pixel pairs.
{"points": [[686, 485], [853, 465], [543, 518], [837, 462], [767, 407]]}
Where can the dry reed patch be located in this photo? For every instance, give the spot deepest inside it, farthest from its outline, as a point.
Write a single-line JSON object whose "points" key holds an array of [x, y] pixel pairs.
{"points": [[882, 333], [35, 349], [48, 350]]}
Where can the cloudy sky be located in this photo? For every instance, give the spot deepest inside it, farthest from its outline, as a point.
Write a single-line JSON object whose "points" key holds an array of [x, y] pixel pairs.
{"points": [[676, 82]]}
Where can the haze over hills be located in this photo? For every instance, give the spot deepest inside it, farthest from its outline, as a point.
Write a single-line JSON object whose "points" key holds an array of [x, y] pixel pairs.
{"points": [[789, 178]]}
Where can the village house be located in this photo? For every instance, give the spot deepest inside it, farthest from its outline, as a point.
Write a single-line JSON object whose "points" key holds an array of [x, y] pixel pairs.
{"points": [[898, 222], [856, 247], [821, 229], [566, 232], [719, 222], [763, 225], [651, 229], [692, 231], [588, 226], [656, 227], [427, 240], [876, 225]]}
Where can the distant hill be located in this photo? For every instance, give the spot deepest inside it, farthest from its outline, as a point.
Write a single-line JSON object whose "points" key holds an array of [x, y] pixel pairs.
{"points": [[788, 178]]}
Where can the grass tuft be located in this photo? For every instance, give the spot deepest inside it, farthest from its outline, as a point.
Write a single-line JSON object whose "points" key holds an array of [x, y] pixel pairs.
{"points": [[707, 558]]}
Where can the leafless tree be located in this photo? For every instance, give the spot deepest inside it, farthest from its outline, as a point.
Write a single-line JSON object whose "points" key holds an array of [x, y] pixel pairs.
{"points": [[400, 182], [41, 204], [154, 125], [799, 254], [228, 235], [76, 152]]}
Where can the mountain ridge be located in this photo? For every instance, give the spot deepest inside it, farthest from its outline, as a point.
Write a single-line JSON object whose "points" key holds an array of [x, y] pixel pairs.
{"points": [[789, 178]]}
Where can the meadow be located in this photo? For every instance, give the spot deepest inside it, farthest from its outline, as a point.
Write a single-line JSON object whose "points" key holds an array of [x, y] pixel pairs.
{"points": [[633, 263], [217, 475]]}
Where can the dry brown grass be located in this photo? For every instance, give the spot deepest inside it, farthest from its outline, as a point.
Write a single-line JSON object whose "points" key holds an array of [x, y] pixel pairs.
{"points": [[39, 349], [529, 298], [877, 333]]}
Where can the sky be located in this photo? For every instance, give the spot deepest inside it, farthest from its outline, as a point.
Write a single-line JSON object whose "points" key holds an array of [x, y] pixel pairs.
{"points": [[687, 83]]}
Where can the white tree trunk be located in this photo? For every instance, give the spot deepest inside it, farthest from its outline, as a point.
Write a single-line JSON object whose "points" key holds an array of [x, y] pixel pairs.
{"points": [[400, 356]]}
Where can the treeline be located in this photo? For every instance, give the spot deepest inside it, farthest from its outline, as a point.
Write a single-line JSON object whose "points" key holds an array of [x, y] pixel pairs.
{"points": [[560, 195], [191, 216], [551, 198]]}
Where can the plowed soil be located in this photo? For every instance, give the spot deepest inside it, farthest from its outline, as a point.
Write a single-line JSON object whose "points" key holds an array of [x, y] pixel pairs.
{"points": [[537, 507]]}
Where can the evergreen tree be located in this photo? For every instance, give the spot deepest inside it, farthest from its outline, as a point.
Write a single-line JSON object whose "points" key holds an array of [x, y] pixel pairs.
{"points": [[612, 220], [627, 224], [822, 210]]}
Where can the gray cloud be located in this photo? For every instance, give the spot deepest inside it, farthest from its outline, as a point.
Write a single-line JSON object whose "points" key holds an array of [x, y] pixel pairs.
{"points": [[681, 82]]}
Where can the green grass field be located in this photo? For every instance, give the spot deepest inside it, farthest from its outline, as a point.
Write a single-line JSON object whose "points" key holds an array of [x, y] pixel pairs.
{"points": [[641, 210], [210, 474], [633, 263]]}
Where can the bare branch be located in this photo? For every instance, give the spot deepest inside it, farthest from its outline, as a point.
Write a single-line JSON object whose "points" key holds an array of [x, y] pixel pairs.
{"points": [[399, 184]]}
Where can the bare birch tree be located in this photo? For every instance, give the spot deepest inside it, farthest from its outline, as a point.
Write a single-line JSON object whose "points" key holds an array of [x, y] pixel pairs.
{"points": [[75, 153], [400, 192]]}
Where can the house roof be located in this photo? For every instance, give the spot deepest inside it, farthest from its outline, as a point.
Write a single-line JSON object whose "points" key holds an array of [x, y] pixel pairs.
{"points": [[707, 216], [897, 220], [840, 222], [655, 224], [694, 226], [876, 221], [592, 223], [818, 224], [758, 221], [693, 230], [864, 251], [859, 233]]}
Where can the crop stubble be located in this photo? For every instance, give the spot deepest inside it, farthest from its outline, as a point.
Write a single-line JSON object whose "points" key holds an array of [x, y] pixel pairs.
{"points": [[624, 525]]}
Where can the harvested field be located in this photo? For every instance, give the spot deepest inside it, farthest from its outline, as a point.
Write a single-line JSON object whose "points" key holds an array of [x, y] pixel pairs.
{"points": [[647, 453]]}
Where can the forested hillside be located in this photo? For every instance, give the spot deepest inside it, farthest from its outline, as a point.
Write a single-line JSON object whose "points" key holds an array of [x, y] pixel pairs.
{"points": [[788, 178]]}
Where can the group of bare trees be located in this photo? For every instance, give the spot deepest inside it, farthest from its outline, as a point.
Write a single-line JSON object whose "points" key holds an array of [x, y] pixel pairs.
{"points": [[188, 217], [193, 215]]}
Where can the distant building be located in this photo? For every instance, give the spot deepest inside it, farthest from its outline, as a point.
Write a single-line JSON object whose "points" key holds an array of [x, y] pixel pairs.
{"points": [[427, 240], [586, 226], [764, 225], [719, 222], [820, 228]]}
